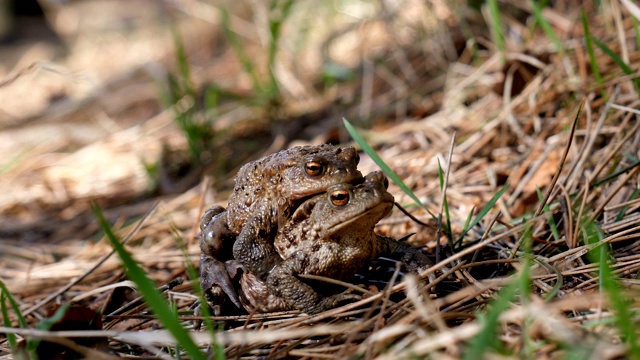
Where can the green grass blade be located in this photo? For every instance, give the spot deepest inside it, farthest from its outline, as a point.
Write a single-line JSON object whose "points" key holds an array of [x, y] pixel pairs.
{"points": [[550, 220], [445, 206], [195, 277], [14, 305], [6, 295], [174, 93], [469, 216], [589, 45], [14, 160], [440, 176], [525, 282], [196, 129], [46, 324], [487, 207], [466, 226], [592, 57], [546, 27], [447, 228], [634, 195], [151, 169], [618, 60], [636, 31], [238, 49], [617, 173], [21, 320], [183, 64], [211, 100], [496, 27], [619, 302], [149, 292], [13, 341], [387, 170], [557, 286], [282, 11], [487, 338]]}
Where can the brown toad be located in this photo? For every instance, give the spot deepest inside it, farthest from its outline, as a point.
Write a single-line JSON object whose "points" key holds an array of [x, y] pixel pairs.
{"points": [[329, 235], [267, 191]]}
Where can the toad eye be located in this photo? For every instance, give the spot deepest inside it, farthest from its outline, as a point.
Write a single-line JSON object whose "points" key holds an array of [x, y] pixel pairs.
{"points": [[313, 168], [339, 197]]}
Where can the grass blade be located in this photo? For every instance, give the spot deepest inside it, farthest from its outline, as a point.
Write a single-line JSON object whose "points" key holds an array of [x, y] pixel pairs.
{"points": [[546, 27], [275, 26], [247, 65], [550, 220], [195, 277], [14, 305], [618, 60], [486, 339], [634, 195], [149, 292], [592, 235], [525, 282], [445, 206], [617, 173], [496, 27], [385, 168], [182, 96], [485, 209], [466, 226], [13, 342], [559, 283], [6, 295], [183, 64], [46, 324], [636, 31], [589, 45]]}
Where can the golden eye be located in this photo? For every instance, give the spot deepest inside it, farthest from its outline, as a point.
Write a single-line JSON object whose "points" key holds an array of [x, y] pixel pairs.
{"points": [[339, 197], [313, 168]]}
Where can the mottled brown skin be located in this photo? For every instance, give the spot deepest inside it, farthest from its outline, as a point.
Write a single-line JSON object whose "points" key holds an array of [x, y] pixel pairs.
{"points": [[266, 193], [329, 235]]}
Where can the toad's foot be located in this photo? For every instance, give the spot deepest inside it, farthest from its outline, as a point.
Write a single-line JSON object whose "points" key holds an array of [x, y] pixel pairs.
{"points": [[215, 274]]}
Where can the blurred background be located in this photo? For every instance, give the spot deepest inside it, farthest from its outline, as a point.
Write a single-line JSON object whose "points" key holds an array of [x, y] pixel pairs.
{"points": [[114, 100], [122, 102]]}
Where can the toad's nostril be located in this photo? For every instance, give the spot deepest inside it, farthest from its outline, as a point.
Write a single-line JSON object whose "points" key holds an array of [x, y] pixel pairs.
{"points": [[386, 183]]}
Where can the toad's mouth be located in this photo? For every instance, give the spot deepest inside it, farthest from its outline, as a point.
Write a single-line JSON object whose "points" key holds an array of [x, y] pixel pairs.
{"points": [[381, 208]]}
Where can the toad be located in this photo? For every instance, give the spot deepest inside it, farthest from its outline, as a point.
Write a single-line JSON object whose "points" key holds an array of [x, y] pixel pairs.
{"points": [[267, 191], [331, 235]]}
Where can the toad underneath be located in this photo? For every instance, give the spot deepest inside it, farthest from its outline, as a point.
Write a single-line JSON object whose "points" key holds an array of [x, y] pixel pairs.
{"points": [[329, 235]]}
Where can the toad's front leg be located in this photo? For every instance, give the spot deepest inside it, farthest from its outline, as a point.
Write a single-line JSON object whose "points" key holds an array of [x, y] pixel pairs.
{"points": [[254, 247]]}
